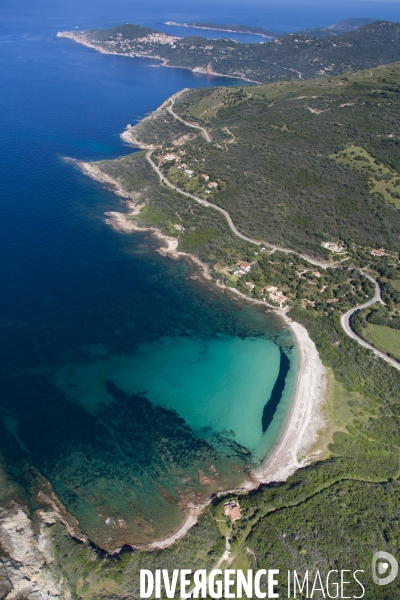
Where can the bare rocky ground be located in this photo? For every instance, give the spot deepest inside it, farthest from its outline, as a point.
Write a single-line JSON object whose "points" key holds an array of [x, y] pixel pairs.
{"points": [[24, 556]]}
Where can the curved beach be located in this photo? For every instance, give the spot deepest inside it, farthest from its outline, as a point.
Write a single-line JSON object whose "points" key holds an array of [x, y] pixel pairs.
{"points": [[304, 420], [292, 449]]}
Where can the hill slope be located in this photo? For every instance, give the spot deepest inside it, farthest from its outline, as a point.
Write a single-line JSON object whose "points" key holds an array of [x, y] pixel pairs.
{"points": [[297, 163], [292, 56], [330, 31]]}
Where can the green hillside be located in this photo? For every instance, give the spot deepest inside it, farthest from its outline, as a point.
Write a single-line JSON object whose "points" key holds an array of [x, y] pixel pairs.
{"points": [[296, 163], [278, 156], [291, 56]]}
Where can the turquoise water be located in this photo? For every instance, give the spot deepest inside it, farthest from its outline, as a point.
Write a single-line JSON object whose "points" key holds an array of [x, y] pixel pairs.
{"points": [[221, 383], [132, 387]]}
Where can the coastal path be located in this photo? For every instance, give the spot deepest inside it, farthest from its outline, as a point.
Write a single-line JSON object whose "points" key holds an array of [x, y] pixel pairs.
{"points": [[223, 558], [345, 322], [345, 319]]}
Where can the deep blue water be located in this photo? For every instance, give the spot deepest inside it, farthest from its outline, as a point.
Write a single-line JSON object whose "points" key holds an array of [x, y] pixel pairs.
{"points": [[85, 309]]}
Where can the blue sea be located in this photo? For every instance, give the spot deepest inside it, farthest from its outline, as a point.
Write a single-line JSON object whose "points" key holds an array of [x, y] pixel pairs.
{"points": [[131, 385]]}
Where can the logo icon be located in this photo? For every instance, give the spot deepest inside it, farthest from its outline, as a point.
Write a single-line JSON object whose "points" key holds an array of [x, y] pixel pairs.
{"points": [[384, 568]]}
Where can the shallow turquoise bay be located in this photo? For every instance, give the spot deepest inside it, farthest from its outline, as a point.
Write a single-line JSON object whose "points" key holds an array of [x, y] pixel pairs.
{"points": [[222, 383], [122, 377]]}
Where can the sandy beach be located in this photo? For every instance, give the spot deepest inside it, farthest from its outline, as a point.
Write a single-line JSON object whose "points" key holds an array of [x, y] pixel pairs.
{"points": [[300, 432], [304, 420]]}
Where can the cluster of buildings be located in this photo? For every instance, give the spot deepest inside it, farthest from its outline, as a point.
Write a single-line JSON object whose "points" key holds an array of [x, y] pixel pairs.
{"points": [[158, 38], [273, 292], [131, 44], [189, 172]]}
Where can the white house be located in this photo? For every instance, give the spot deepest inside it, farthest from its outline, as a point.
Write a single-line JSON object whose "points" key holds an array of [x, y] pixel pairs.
{"points": [[245, 267]]}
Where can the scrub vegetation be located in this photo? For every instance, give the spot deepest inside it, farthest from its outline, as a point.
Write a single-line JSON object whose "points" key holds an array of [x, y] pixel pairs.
{"points": [[297, 55], [282, 158]]}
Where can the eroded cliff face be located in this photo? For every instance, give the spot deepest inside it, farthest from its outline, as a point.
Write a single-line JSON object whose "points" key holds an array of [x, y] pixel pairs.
{"points": [[25, 558]]}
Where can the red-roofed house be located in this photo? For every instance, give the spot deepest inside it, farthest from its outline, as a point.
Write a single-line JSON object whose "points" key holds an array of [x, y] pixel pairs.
{"points": [[232, 510], [245, 267]]}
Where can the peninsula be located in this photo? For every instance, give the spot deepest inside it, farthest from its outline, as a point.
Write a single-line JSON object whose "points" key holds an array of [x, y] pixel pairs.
{"points": [[293, 56], [287, 193], [330, 31]]}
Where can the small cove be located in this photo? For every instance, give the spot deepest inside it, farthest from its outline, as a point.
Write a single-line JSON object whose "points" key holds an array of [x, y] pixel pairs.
{"points": [[122, 378]]}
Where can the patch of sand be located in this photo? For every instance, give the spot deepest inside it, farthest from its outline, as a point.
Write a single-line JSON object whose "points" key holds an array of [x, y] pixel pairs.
{"points": [[305, 419]]}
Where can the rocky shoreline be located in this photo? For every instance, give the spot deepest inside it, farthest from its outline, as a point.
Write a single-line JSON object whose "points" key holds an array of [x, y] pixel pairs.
{"points": [[26, 554], [80, 39], [304, 420], [24, 558]]}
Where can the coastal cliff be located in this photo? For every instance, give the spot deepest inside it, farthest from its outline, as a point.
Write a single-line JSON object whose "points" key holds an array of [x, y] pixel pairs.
{"points": [[25, 557]]}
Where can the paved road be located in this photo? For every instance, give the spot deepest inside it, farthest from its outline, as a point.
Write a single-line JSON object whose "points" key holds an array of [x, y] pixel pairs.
{"points": [[202, 129], [345, 321], [313, 261]]}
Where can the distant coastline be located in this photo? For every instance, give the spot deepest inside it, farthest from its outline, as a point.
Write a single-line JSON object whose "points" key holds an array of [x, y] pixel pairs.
{"points": [[206, 27], [76, 37]]}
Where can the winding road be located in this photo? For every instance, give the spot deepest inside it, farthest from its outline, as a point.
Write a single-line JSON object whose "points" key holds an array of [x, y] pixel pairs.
{"points": [[228, 217], [202, 129], [345, 322], [345, 319]]}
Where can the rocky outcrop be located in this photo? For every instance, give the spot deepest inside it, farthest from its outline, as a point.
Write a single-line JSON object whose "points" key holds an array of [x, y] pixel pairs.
{"points": [[25, 559], [55, 511]]}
